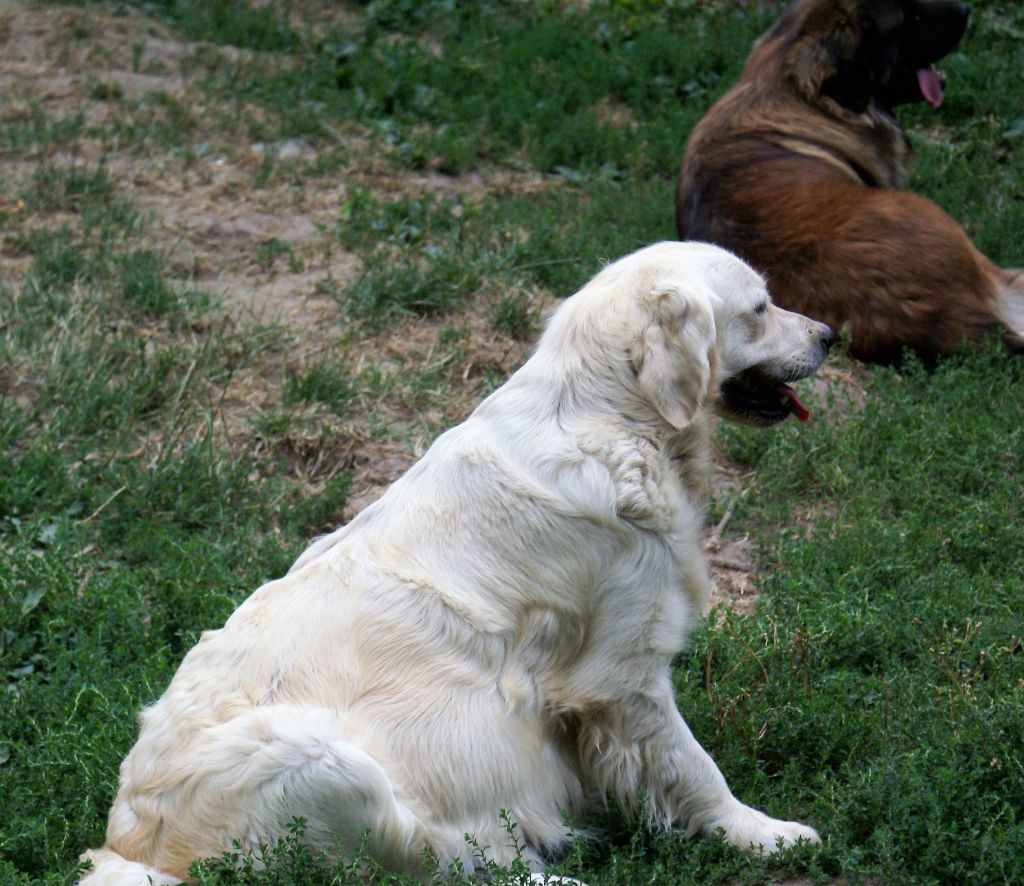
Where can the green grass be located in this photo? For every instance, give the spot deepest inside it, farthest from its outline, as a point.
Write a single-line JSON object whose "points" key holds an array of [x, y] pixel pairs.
{"points": [[892, 626], [322, 382], [878, 690], [34, 128], [427, 254], [511, 79]]}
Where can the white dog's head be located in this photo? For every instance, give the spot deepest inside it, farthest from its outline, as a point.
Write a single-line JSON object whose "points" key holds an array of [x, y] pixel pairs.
{"points": [[684, 326]]}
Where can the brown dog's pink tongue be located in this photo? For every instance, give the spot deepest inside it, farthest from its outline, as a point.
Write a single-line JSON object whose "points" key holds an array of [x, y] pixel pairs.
{"points": [[931, 86], [795, 406]]}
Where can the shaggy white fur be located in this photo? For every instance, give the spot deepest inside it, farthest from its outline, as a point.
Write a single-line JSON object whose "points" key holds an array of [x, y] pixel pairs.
{"points": [[495, 632]]}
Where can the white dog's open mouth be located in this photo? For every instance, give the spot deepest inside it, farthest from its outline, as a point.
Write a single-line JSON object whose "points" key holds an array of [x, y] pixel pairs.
{"points": [[753, 397]]}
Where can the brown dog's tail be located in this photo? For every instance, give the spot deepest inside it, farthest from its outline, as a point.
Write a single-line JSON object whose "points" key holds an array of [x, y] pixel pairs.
{"points": [[1010, 308]]}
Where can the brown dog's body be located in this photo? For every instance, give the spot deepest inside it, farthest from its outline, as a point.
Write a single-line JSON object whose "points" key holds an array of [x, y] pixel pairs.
{"points": [[797, 170]]}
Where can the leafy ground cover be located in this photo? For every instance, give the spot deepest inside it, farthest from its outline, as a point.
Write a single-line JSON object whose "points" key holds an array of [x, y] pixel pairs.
{"points": [[254, 257]]}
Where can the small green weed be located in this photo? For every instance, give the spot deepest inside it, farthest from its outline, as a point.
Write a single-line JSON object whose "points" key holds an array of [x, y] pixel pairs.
{"points": [[57, 263], [224, 21], [269, 251], [514, 316], [423, 288], [321, 382], [291, 861], [143, 283], [34, 129], [157, 118], [67, 187]]}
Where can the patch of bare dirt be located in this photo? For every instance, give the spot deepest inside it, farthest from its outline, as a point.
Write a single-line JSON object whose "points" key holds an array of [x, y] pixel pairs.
{"points": [[614, 113], [730, 554], [840, 389], [268, 259], [58, 58]]}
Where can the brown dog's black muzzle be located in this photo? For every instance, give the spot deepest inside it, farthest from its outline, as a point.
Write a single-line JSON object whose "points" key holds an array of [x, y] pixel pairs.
{"points": [[930, 31], [933, 30]]}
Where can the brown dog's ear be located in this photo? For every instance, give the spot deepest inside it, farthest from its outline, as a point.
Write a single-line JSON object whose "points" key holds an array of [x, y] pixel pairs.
{"points": [[853, 83], [674, 357], [831, 60]]}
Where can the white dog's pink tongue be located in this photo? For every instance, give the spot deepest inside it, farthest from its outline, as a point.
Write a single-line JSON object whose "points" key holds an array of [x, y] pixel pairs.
{"points": [[931, 86], [795, 406]]}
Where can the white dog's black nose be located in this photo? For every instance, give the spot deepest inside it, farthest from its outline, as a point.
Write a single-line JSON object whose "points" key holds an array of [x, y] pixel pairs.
{"points": [[825, 334]]}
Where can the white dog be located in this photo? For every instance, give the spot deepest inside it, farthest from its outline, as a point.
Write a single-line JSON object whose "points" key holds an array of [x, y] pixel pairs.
{"points": [[495, 632]]}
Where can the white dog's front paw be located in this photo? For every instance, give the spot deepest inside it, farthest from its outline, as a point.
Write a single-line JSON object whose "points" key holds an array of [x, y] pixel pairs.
{"points": [[747, 828]]}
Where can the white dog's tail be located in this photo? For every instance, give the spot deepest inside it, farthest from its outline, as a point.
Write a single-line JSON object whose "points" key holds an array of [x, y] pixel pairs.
{"points": [[111, 869]]}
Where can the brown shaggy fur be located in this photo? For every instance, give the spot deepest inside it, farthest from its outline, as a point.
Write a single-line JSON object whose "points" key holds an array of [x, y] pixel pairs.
{"points": [[797, 170]]}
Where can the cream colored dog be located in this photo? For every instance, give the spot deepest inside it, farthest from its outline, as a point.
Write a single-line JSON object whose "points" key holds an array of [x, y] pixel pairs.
{"points": [[495, 632]]}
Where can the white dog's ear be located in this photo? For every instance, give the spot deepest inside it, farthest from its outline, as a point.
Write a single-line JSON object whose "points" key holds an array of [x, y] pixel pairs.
{"points": [[674, 358]]}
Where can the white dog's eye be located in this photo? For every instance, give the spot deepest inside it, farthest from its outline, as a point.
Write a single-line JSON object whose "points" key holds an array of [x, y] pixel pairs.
{"points": [[761, 308]]}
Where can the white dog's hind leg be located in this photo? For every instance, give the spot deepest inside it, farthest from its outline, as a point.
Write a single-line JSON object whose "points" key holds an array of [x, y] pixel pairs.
{"points": [[644, 747], [193, 794], [294, 762]]}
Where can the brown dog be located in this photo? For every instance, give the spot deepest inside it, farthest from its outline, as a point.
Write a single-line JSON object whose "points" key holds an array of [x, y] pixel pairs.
{"points": [[796, 169]]}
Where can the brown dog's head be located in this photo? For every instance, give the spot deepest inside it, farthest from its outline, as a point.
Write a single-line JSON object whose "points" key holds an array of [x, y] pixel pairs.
{"points": [[860, 53]]}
